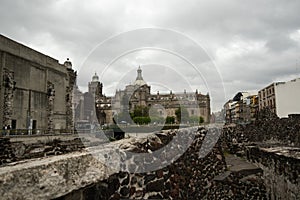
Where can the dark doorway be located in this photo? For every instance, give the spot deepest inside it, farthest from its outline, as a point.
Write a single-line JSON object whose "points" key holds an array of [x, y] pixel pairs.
{"points": [[13, 124], [33, 126]]}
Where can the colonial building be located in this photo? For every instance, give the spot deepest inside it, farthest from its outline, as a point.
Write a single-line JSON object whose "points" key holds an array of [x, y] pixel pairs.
{"points": [[242, 108], [139, 94], [84, 103], [36, 90], [282, 98]]}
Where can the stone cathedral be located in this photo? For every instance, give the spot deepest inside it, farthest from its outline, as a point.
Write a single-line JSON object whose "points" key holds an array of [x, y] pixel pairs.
{"points": [[139, 94]]}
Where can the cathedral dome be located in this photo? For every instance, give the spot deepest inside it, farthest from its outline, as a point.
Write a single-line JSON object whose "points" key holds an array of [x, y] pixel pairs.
{"points": [[139, 79], [95, 78]]}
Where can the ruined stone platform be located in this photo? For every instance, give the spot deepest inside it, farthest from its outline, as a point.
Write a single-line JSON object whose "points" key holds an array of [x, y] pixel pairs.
{"points": [[242, 166]]}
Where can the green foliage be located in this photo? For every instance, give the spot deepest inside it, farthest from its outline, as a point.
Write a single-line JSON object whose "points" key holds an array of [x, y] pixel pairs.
{"points": [[196, 119], [182, 115], [142, 120], [141, 111], [201, 120], [170, 120]]}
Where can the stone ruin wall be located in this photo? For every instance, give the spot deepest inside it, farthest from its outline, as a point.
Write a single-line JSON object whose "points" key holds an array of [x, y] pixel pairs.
{"points": [[189, 177], [268, 129], [78, 175], [19, 151], [273, 145], [281, 171]]}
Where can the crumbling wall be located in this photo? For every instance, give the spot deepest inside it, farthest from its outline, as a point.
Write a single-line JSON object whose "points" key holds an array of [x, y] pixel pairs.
{"points": [[81, 175], [281, 168], [6, 152], [273, 145], [17, 151], [238, 186], [189, 177], [267, 130]]}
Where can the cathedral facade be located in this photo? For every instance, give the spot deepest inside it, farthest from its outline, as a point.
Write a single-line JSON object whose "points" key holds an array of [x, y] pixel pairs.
{"points": [[139, 94]]}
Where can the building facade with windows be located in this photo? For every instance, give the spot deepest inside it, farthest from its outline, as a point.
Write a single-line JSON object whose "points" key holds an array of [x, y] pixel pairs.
{"points": [[242, 109], [139, 94], [282, 98], [36, 90]]}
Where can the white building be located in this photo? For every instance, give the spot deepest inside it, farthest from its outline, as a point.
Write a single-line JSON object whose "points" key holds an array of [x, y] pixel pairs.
{"points": [[283, 98]]}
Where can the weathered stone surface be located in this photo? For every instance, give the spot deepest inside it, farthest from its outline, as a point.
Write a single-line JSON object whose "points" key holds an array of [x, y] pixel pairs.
{"points": [[81, 176], [50, 177], [6, 152], [155, 186], [184, 178], [273, 145], [17, 151], [268, 130], [281, 169], [24, 76]]}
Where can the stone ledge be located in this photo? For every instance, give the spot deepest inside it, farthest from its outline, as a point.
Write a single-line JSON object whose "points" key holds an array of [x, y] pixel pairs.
{"points": [[50, 177], [60, 176]]}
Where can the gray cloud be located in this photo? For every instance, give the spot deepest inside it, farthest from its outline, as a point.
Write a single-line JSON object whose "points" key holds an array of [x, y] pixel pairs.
{"points": [[252, 43]]}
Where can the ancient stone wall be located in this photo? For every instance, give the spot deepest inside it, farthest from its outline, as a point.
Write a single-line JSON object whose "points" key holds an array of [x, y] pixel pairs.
{"points": [[6, 152], [189, 177], [81, 175], [69, 100], [281, 168], [268, 129], [17, 151], [273, 145]]}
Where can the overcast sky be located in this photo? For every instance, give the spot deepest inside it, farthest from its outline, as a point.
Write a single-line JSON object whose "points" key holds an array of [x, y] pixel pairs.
{"points": [[220, 47]]}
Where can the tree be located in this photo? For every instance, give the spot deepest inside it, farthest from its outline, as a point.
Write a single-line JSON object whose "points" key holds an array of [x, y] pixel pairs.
{"points": [[142, 120], [196, 119], [141, 111], [170, 120], [140, 115], [201, 120], [182, 115]]}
